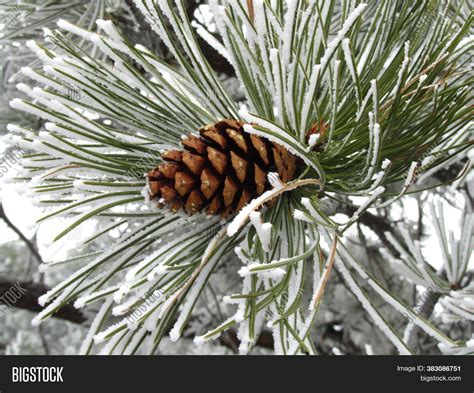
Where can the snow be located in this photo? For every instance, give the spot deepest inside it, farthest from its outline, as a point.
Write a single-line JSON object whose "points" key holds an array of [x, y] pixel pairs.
{"points": [[341, 34], [375, 146], [213, 43], [403, 68], [244, 271], [313, 139], [244, 213], [290, 85], [350, 64], [466, 41], [465, 314], [411, 172], [375, 99], [247, 27], [61, 299], [238, 251], [25, 106], [279, 136], [309, 98], [373, 313], [370, 200], [264, 230], [300, 215], [244, 114], [100, 337], [65, 25], [312, 211], [24, 88], [265, 270], [193, 293], [157, 271], [410, 179], [296, 282], [200, 340], [34, 47], [400, 307], [334, 98], [287, 37], [127, 244], [262, 33], [95, 326], [363, 58], [468, 349], [278, 96]]}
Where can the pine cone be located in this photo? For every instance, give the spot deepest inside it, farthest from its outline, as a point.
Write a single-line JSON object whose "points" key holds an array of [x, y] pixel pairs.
{"points": [[221, 171]]}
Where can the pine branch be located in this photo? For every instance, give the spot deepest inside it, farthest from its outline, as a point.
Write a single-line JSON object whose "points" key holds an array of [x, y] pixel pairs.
{"points": [[377, 224], [29, 300], [23, 238], [217, 62], [377, 107], [424, 309], [230, 340]]}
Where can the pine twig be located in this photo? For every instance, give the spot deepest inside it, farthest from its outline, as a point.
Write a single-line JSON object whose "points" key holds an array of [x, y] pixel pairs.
{"points": [[327, 272], [29, 300], [20, 234], [251, 10], [424, 309], [376, 223]]}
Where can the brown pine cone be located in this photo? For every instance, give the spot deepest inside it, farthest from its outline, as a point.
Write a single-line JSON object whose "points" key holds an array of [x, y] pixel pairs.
{"points": [[221, 171]]}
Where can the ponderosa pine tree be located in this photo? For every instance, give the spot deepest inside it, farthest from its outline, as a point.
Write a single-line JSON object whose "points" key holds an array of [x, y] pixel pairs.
{"points": [[344, 101]]}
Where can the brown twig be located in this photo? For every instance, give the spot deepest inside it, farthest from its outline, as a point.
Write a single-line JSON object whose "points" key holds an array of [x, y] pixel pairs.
{"points": [[20, 234], [29, 300], [325, 278], [251, 10], [376, 223], [243, 216]]}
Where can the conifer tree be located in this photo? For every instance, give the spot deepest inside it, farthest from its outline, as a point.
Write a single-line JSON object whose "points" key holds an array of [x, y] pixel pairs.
{"points": [[348, 107]]}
